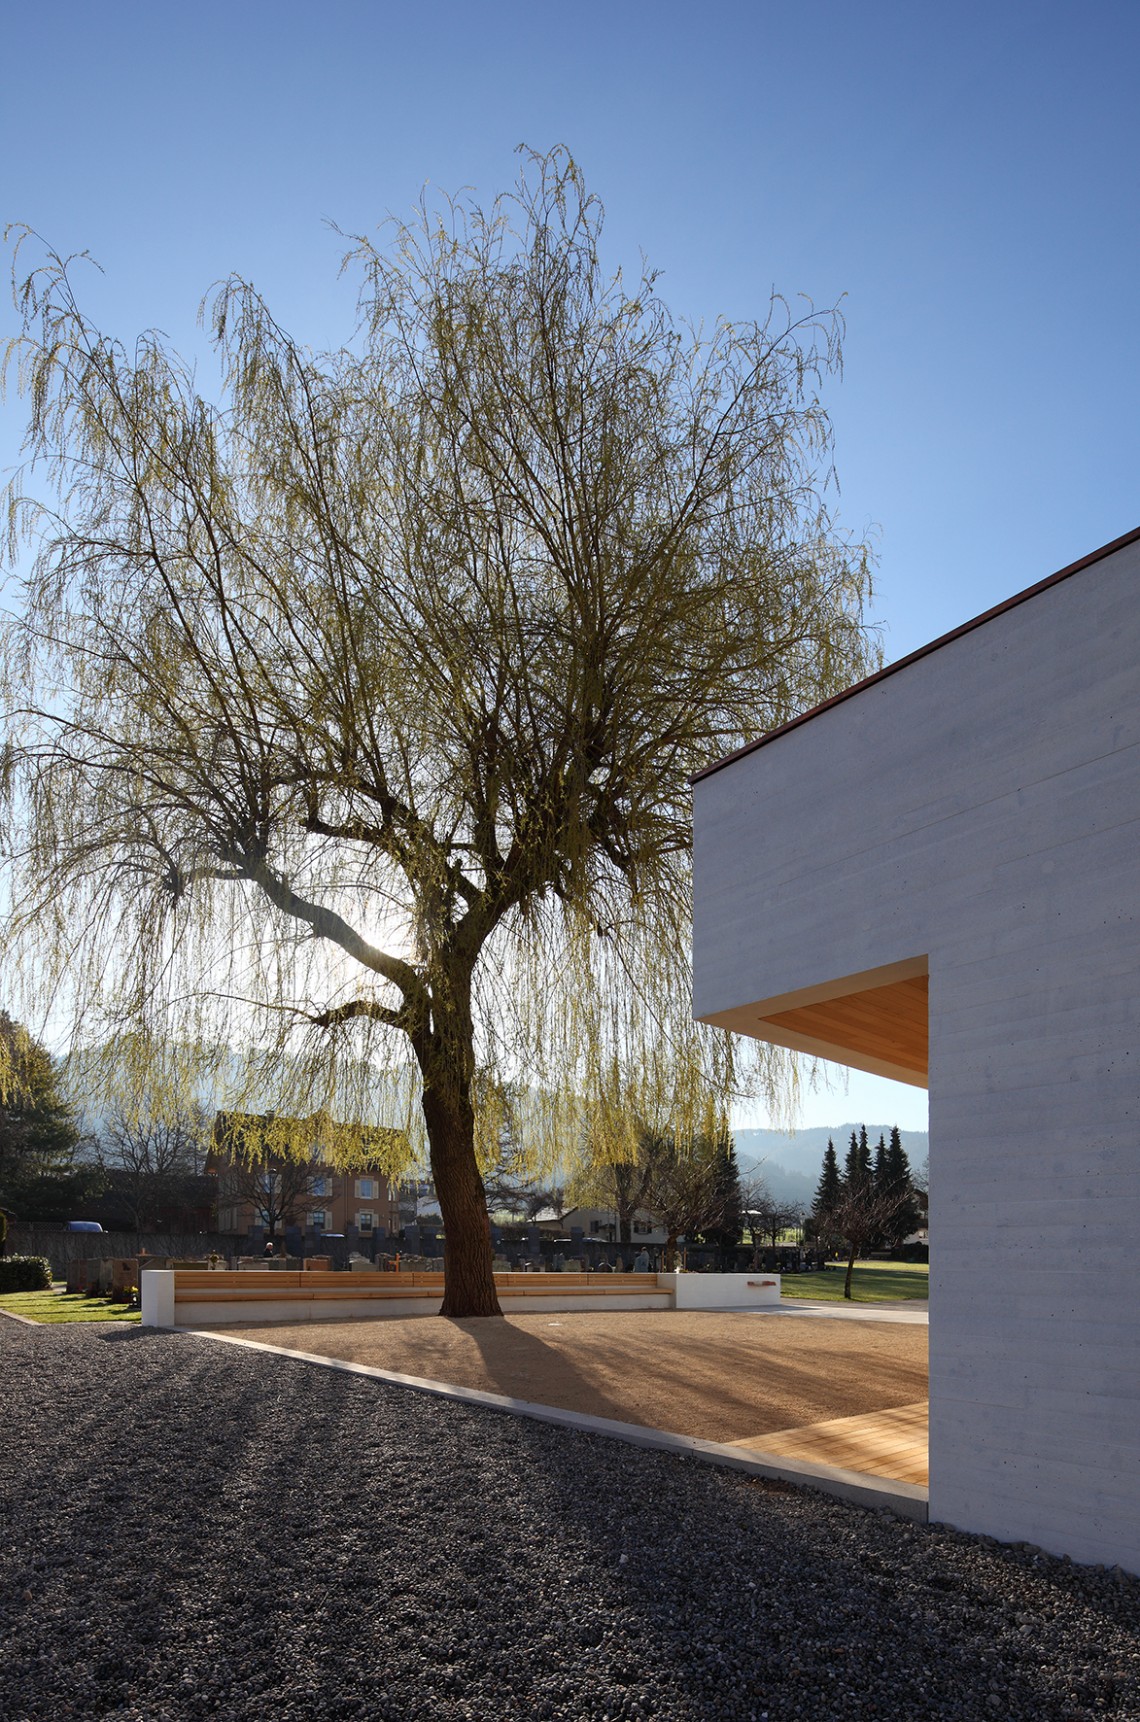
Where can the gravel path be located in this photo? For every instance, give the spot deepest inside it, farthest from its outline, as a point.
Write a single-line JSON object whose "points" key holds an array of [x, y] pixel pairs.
{"points": [[197, 1531]]}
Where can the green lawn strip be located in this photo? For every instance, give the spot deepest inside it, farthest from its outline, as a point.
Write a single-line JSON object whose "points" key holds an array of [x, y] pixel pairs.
{"points": [[872, 1282], [52, 1306]]}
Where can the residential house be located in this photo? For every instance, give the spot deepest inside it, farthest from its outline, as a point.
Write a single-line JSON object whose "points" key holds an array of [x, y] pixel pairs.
{"points": [[598, 1223], [276, 1189]]}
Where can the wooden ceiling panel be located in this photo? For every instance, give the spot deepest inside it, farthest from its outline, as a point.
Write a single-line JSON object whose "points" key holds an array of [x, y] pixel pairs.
{"points": [[888, 1023]]}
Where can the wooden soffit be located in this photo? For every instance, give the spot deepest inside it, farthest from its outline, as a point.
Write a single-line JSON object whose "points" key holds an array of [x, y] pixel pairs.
{"points": [[876, 1021]]}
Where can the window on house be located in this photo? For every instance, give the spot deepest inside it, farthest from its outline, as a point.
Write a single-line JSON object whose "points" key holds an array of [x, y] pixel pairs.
{"points": [[365, 1222], [643, 1226], [319, 1187], [321, 1219], [366, 1187]]}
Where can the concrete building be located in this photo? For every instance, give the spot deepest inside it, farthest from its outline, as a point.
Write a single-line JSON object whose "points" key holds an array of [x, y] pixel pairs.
{"points": [[934, 877]]}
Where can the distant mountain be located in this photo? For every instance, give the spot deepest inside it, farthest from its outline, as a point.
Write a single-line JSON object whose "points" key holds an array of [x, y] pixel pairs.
{"points": [[790, 1164]]}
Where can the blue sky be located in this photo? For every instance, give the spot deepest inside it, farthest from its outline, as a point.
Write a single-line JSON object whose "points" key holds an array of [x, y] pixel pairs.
{"points": [[965, 176]]}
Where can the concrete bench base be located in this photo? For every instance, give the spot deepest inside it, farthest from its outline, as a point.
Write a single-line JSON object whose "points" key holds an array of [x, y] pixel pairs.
{"points": [[722, 1291]]}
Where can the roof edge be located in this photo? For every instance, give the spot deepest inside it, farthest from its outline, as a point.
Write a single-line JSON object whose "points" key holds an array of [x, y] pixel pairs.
{"points": [[921, 652]]}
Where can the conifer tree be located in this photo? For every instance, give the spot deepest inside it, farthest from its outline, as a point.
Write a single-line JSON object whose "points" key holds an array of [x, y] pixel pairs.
{"points": [[857, 1170], [830, 1186], [897, 1165], [828, 1195], [879, 1171], [725, 1233], [896, 1185]]}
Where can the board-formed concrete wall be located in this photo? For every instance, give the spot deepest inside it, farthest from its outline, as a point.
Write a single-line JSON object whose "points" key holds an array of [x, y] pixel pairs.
{"points": [[981, 807]]}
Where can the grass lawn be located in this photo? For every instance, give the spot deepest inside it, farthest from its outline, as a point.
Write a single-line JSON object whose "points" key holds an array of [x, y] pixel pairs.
{"points": [[872, 1282], [59, 1305]]}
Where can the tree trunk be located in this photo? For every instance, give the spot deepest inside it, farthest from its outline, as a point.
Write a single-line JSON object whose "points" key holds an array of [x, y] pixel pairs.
{"points": [[469, 1279], [671, 1253], [850, 1271]]}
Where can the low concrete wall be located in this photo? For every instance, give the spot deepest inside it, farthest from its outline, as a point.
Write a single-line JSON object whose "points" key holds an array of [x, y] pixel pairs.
{"points": [[722, 1291]]}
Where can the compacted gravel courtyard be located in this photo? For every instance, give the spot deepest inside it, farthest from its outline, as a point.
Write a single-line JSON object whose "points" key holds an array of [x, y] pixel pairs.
{"points": [[194, 1530], [714, 1375]]}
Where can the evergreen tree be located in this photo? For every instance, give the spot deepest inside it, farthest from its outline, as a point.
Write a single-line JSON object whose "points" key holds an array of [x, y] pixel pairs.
{"points": [[830, 1186], [896, 1185], [827, 1198], [897, 1168], [879, 1172], [725, 1234], [857, 1170]]}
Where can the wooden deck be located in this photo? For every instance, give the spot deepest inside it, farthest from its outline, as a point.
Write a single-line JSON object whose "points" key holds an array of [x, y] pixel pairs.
{"points": [[883, 1444]]}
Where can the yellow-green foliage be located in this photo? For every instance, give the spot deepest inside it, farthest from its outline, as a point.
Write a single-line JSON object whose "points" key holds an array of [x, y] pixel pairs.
{"points": [[363, 705], [25, 1067], [258, 1139]]}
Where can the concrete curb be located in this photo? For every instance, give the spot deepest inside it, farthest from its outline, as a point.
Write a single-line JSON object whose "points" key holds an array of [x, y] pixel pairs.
{"points": [[26, 1319], [904, 1499]]}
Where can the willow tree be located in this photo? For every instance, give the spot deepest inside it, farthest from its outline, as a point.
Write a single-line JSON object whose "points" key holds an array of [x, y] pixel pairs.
{"points": [[377, 680]]}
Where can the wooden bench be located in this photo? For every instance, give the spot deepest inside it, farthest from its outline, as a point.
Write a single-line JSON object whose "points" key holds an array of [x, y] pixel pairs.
{"points": [[193, 1286]]}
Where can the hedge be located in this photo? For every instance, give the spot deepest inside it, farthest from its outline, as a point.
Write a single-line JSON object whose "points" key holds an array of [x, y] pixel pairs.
{"points": [[25, 1273]]}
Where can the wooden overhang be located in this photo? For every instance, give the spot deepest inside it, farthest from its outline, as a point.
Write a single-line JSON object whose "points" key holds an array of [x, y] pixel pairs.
{"points": [[874, 1021]]}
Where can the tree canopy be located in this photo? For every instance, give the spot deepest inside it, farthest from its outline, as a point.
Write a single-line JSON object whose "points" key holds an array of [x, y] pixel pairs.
{"points": [[148, 1155], [39, 1132], [692, 1189], [354, 711]]}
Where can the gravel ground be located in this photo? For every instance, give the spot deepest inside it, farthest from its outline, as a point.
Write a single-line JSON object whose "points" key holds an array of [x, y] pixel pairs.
{"points": [[197, 1531]]}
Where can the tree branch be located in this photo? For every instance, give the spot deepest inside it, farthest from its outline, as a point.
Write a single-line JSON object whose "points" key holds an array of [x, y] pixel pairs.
{"points": [[327, 924], [367, 1008]]}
